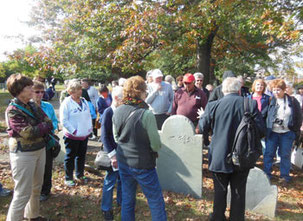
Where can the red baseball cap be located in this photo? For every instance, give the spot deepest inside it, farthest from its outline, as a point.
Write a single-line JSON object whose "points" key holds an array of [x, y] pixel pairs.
{"points": [[188, 78]]}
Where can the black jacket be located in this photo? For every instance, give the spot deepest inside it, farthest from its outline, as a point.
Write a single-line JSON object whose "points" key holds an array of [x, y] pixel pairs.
{"points": [[223, 118]]}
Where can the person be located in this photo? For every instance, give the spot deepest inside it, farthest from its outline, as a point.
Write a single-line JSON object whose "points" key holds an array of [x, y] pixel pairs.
{"points": [[244, 92], [179, 80], [4, 192], [258, 94], [91, 90], [268, 89], [284, 119], [50, 92], [42, 80], [149, 77], [104, 101], [290, 91], [48, 109], [210, 88], [93, 114], [77, 126], [28, 128], [160, 97], [217, 92], [64, 93], [223, 117], [135, 131], [188, 100], [170, 79], [53, 82], [199, 78], [112, 177], [121, 81]]}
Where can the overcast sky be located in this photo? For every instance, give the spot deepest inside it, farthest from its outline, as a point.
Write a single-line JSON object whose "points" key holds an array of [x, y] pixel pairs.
{"points": [[13, 13]]}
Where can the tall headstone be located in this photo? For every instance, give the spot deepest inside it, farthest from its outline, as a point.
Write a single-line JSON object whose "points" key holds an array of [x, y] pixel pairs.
{"points": [[261, 197], [179, 165]]}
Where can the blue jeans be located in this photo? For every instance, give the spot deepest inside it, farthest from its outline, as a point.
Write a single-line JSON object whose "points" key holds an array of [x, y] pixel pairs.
{"points": [[0, 187], [284, 142], [107, 193], [149, 183], [74, 157]]}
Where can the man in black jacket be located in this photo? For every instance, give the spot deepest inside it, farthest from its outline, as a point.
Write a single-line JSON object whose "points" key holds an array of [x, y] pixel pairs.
{"points": [[217, 92], [223, 117]]}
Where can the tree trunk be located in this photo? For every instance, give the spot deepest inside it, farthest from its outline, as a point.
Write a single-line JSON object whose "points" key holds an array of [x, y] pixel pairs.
{"points": [[204, 57]]}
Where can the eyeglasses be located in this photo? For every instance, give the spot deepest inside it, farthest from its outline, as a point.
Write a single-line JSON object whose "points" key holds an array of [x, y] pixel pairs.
{"points": [[39, 92]]}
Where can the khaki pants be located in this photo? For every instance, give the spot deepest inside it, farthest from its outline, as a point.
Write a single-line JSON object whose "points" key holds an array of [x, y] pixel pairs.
{"points": [[27, 171]]}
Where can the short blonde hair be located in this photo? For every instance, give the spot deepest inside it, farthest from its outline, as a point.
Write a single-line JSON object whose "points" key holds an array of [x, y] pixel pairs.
{"points": [[73, 85], [258, 81], [278, 83], [134, 87]]}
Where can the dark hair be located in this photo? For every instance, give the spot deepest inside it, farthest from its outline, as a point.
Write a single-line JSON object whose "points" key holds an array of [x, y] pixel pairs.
{"points": [[16, 83], [85, 80], [103, 88]]}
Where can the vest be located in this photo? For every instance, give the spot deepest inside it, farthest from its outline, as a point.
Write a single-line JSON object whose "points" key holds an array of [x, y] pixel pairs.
{"points": [[133, 143]]}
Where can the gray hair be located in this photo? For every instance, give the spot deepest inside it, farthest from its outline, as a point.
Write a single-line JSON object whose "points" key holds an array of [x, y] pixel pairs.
{"points": [[198, 75], [231, 85], [121, 82], [117, 92], [169, 79]]}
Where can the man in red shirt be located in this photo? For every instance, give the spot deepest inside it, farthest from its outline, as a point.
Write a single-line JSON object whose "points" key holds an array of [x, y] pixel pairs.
{"points": [[189, 100]]}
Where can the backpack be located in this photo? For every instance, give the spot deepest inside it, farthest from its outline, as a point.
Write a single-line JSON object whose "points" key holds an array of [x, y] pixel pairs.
{"points": [[247, 146]]}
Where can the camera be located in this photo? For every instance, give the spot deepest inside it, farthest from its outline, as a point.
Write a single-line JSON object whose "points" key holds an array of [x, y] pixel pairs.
{"points": [[278, 121]]}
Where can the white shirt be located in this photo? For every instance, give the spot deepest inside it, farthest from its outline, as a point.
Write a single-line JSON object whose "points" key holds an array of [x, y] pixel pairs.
{"points": [[74, 117]]}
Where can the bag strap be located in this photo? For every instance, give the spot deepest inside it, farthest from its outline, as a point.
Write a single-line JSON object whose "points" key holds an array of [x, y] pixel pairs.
{"points": [[23, 109], [124, 123]]}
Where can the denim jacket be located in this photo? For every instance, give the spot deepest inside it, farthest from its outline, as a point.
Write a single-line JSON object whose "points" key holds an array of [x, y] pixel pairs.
{"points": [[295, 120]]}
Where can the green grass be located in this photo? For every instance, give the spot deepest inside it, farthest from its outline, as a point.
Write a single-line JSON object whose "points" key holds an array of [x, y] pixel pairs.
{"points": [[4, 100]]}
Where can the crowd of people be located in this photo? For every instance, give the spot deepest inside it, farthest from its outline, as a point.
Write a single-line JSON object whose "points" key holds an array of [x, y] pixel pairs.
{"points": [[130, 113]]}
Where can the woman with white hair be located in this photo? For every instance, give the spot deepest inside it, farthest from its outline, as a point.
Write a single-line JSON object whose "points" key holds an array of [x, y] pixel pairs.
{"points": [[112, 177], [223, 117], [76, 120]]}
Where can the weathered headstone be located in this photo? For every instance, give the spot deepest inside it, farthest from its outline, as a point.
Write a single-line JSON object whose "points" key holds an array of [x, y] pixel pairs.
{"points": [[60, 157], [297, 157], [261, 197], [179, 165]]}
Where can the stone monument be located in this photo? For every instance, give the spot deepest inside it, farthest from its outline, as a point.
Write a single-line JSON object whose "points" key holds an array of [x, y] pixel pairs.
{"points": [[179, 165], [261, 197]]}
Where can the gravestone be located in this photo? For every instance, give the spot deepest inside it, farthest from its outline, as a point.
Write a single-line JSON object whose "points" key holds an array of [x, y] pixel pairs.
{"points": [[60, 157], [297, 157], [261, 197], [179, 165]]}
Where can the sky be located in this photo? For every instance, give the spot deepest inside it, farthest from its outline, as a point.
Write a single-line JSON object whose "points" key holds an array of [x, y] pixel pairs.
{"points": [[13, 13]]}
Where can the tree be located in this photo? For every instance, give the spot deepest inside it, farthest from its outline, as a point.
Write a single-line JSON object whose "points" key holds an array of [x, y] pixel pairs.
{"points": [[129, 37]]}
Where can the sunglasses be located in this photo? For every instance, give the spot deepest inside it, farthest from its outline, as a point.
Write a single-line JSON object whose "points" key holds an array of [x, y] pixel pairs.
{"points": [[39, 92], [187, 82]]}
